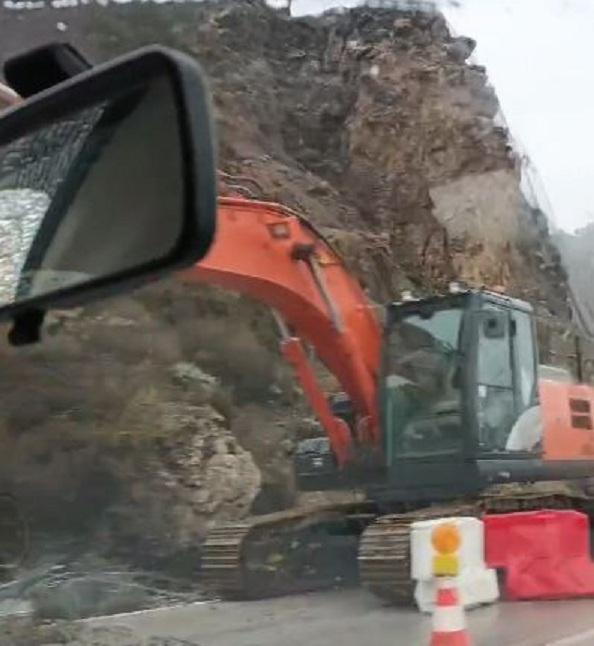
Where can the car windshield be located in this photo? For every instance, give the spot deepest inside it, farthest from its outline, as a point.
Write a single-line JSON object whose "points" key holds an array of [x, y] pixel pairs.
{"points": [[247, 453]]}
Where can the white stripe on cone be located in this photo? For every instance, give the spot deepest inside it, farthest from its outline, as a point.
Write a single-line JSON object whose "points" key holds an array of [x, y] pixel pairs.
{"points": [[448, 619]]}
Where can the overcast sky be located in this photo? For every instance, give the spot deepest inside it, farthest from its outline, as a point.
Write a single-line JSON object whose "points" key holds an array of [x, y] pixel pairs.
{"points": [[540, 57]]}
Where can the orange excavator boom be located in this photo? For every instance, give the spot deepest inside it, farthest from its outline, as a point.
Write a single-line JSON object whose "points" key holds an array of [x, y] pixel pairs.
{"points": [[274, 255]]}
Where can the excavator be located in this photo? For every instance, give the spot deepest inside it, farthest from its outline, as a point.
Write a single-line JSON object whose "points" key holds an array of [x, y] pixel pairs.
{"points": [[447, 409]]}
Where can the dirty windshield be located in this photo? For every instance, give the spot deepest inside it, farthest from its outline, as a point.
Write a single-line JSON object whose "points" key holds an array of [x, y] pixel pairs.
{"points": [[423, 386], [265, 449]]}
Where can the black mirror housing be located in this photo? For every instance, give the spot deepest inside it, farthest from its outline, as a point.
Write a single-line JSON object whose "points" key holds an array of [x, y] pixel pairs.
{"points": [[41, 68]]}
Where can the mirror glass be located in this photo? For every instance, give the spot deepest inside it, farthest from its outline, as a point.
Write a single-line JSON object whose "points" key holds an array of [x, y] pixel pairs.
{"points": [[92, 194]]}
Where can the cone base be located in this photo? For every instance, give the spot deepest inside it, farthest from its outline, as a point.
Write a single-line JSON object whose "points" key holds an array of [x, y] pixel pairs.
{"points": [[454, 638]]}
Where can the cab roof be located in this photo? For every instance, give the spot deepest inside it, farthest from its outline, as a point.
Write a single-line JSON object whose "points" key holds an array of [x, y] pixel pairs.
{"points": [[459, 298]]}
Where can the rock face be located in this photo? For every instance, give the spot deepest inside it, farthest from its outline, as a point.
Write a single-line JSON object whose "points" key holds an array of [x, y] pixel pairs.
{"points": [[111, 432], [576, 252], [199, 474], [370, 120], [377, 126]]}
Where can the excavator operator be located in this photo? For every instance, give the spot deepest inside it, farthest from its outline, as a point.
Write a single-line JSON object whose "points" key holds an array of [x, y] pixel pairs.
{"points": [[422, 360]]}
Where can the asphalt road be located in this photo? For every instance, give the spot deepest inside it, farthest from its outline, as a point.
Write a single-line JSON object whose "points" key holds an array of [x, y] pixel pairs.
{"points": [[341, 618]]}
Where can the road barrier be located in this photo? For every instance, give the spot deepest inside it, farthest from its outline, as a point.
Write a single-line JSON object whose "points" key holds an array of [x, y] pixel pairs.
{"points": [[477, 584], [545, 554]]}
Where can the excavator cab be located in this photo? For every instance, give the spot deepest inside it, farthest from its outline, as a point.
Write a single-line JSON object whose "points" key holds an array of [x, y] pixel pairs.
{"points": [[458, 398], [459, 393]]}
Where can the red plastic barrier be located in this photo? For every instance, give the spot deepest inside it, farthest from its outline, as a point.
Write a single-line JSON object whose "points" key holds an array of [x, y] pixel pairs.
{"points": [[545, 554]]}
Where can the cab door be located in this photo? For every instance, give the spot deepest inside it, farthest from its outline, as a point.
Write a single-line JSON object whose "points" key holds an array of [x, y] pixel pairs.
{"points": [[506, 382], [496, 393]]}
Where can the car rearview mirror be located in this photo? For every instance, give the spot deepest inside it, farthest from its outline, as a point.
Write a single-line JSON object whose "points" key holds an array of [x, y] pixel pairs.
{"points": [[106, 181]]}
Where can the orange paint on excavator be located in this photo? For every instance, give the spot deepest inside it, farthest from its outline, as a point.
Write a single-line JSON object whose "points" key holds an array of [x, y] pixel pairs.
{"points": [[567, 420]]}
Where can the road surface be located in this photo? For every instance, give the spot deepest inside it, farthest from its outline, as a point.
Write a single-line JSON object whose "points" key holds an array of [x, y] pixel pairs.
{"points": [[342, 618]]}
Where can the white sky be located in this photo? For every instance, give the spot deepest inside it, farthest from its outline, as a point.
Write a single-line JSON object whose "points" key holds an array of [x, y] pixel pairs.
{"points": [[539, 55]]}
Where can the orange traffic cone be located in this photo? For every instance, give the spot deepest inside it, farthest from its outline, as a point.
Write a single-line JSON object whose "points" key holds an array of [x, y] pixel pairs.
{"points": [[449, 623]]}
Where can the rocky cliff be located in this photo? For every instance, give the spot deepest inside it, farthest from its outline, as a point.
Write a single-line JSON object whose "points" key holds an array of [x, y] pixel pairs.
{"points": [[576, 252], [374, 123], [371, 121]]}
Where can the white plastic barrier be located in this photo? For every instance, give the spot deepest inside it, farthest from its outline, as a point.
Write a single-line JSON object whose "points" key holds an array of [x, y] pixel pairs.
{"points": [[477, 584]]}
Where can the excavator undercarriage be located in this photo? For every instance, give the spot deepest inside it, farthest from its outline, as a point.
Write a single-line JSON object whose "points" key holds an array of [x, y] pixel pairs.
{"points": [[348, 543]]}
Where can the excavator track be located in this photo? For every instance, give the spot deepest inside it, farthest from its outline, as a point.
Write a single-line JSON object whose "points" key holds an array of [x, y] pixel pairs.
{"points": [[384, 550], [285, 552]]}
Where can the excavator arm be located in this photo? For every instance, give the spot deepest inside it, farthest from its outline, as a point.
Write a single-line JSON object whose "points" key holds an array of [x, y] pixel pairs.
{"points": [[272, 254]]}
